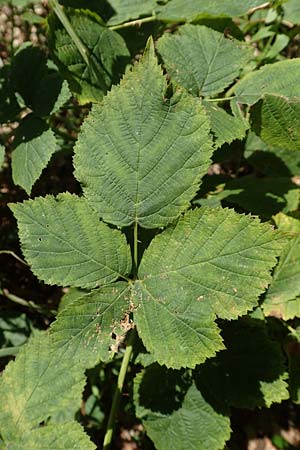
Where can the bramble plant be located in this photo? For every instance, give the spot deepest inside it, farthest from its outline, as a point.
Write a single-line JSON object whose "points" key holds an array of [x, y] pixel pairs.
{"points": [[192, 284]]}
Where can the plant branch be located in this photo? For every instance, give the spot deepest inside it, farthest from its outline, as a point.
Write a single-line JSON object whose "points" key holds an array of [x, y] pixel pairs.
{"points": [[10, 252], [117, 394], [132, 23], [28, 304], [135, 249], [59, 11], [217, 100]]}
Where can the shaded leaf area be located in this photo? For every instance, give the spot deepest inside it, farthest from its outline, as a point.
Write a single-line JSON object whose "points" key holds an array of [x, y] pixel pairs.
{"points": [[2, 155], [175, 414], [271, 161], [251, 371], [280, 78], [129, 156], [212, 262], [66, 244], [283, 296], [202, 60], [36, 385], [260, 196], [173, 11], [125, 10], [35, 79], [66, 436], [34, 144], [225, 127], [107, 54], [90, 327], [291, 10], [9, 106], [292, 347], [276, 121], [15, 328]]}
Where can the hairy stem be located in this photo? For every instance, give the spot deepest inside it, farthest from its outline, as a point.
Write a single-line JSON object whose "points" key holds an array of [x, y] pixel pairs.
{"points": [[133, 23], [135, 249], [117, 394], [59, 11]]}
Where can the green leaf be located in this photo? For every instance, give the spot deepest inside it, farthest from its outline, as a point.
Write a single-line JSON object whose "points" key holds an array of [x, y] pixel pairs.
{"points": [[281, 298], [129, 156], [66, 244], [67, 436], [130, 9], [276, 120], [251, 371], [34, 145], [281, 78], [108, 54], [37, 384], [174, 11], [14, 329], [260, 196], [89, 328], [62, 98], [9, 107], [32, 78], [272, 161], [225, 127], [212, 262], [202, 60], [177, 416], [291, 9]]}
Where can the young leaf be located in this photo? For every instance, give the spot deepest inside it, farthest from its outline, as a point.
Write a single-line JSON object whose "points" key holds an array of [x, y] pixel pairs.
{"points": [[34, 145], [276, 121], [174, 11], [140, 156], [108, 54], [130, 9], [37, 384], [68, 436], [251, 371], [225, 127], [177, 416], [84, 329], [281, 296], [66, 244], [212, 262], [281, 78], [202, 60]]}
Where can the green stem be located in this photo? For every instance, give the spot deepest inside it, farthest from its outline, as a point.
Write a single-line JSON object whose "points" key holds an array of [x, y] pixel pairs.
{"points": [[9, 351], [117, 394], [132, 23], [135, 249], [217, 100], [28, 304], [10, 252], [59, 11]]}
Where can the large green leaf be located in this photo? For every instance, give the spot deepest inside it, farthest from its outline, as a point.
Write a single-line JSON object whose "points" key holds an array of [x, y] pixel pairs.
{"points": [[276, 120], [281, 298], [202, 60], [251, 371], [176, 11], [68, 436], [34, 145], [281, 78], [177, 416], [225, 127], [130, 9], [89, 328], [272, 161], [66, 244], [140, 155], [39, 383], [212, 261], [107, 54]]}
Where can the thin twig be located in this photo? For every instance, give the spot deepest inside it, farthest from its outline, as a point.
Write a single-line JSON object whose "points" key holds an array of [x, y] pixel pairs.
{"points": [[132, 23]]}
